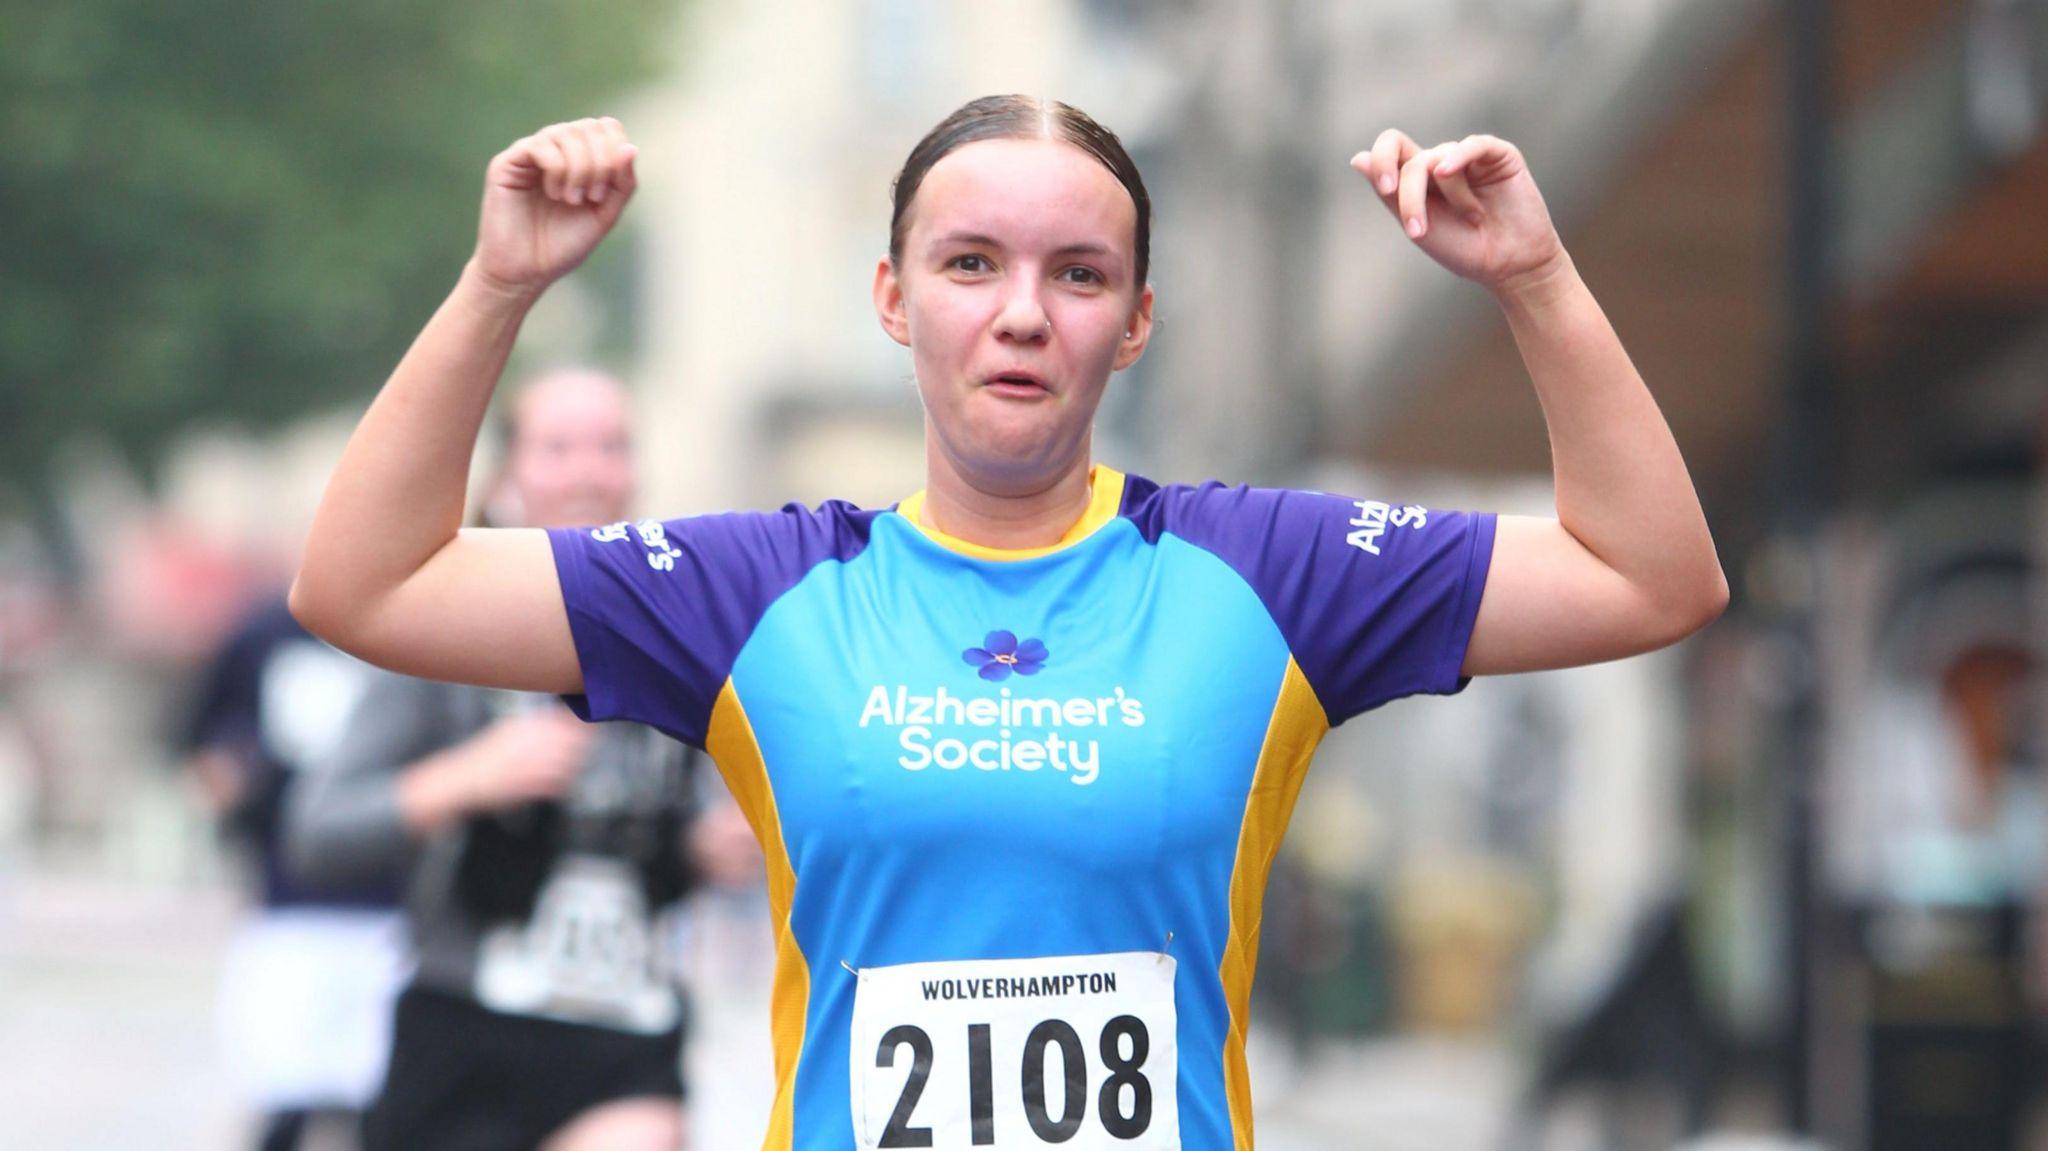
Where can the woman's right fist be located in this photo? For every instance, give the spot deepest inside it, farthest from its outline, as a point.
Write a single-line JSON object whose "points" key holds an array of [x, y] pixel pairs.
{"points": [[549, 199]]}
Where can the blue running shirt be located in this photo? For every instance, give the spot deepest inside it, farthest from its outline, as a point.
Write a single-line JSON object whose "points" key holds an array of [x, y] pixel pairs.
{"points": [[1083, 755]]}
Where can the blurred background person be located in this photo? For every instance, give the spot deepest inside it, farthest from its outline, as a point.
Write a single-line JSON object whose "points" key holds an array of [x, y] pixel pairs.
{"points": [[544, 1011], [308, 980]]}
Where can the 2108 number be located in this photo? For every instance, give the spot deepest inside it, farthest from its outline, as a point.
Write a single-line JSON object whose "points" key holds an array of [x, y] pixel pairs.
{"points": [[1124, 1072]]}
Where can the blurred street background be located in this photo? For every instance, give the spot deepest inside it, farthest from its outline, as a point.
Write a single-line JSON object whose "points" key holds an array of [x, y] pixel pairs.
{"points": [[1783, 883]]}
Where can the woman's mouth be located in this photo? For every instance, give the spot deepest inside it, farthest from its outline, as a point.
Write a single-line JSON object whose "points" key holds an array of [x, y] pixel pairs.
{"points": [[1018, 385]]}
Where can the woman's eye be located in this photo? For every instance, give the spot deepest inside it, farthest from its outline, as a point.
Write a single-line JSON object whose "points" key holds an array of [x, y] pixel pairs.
{"points": [[1080, 275], [968, 263]]}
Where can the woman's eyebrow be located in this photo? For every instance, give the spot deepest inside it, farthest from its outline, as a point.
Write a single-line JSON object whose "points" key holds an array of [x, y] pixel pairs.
{"points": [[1085, 248], [979, 240], [971, 239]]}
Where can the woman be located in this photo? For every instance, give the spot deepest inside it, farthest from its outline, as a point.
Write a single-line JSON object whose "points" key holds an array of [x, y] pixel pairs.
{"points": [[1020, 749], [542, 855]]}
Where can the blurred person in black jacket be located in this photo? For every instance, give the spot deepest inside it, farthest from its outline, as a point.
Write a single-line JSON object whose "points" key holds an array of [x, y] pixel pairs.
{"points": [[544, 1011]]}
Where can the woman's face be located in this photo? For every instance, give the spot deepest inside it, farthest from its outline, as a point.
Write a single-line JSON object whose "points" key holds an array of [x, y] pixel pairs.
{"points": [[1017, 296]]}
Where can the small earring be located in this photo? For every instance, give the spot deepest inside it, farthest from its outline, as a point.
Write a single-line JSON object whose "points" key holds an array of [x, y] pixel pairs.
{"points": [[1131, 335]]}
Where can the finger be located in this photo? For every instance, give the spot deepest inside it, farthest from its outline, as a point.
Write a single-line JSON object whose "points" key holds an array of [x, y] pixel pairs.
{"points": [[575, 146], [1453, 159], [603, 143], [1414, 193], [1451, 180], [1480, 157], [517, 167], [563, 749], [577, 742], [626, 177], [1392, 150], [613, 130], [554, 166], [604, 148], [562, 138], [590, 139], [599, 140]]}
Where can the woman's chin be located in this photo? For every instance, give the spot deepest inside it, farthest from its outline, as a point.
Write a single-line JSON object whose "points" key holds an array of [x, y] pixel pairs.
{"points": [[1026, 460]]}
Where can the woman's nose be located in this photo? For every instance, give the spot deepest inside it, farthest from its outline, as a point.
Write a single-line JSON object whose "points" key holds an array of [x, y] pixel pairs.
{"points": [[1023, 318]]}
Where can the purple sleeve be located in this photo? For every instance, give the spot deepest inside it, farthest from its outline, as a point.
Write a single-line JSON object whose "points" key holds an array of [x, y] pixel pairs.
{"points": [[660, 609], [1376, 600]]}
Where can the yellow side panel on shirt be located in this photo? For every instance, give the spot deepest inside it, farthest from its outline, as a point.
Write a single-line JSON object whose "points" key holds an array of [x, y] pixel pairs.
{"points": [[1298, 725], [731, 743]]}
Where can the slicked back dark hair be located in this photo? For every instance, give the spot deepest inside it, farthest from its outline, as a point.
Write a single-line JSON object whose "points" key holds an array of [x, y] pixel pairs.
{"points": [[1019, 118]]}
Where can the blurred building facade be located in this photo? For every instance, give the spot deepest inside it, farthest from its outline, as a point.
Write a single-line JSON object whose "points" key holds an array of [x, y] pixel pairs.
{"points": [[1840, 298]]}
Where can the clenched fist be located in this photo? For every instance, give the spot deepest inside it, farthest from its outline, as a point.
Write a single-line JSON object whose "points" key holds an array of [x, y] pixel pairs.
{"points": [[549, 199], [1471, 204]]}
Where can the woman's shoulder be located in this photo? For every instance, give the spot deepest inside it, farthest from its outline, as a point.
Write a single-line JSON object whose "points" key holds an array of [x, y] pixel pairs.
{"points": [[1214, 506], [831, 515], [834, 526], [722, 560]]}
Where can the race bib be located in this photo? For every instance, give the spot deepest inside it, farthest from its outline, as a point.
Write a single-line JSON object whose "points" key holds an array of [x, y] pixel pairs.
{"points": [[1076, 1052], [587, 955]]}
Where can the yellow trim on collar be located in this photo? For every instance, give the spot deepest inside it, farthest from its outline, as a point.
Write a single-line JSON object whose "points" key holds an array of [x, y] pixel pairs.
{"points": [[1107, 498]]}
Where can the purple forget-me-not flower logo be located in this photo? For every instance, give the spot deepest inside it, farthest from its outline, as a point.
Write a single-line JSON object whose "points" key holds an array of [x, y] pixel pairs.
{"points": [[1000, 654]]}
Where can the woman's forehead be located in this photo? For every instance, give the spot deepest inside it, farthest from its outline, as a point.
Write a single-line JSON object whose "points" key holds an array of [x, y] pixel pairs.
{"points": [[1023, 191]]}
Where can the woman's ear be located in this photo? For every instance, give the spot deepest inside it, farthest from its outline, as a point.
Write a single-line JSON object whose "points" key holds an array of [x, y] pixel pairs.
{"points": [[889, 302], [1136, 333]]}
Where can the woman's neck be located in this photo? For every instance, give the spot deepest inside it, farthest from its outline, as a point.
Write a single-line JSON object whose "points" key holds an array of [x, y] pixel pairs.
{"points": [[1036, 517]]}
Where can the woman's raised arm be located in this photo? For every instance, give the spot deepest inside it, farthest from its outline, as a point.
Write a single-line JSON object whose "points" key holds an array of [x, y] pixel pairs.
{"points": [[1628, 565], [389, 574]]}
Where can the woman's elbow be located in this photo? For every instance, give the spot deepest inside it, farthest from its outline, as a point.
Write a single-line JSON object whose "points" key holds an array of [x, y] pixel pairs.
{"points": [[310, 608], [1700, 603], [1716, 600], [326, 612]]}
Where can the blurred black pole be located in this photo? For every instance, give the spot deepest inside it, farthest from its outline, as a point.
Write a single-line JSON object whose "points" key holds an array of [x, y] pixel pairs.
{"points": [[1799, 503]]}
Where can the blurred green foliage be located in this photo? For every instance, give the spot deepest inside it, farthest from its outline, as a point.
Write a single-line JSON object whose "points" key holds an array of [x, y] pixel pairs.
{"points": [[237, 210]]}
